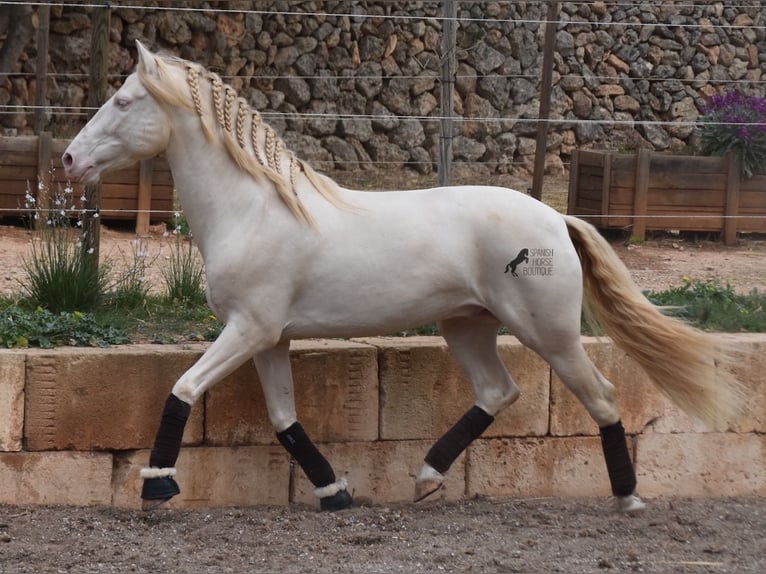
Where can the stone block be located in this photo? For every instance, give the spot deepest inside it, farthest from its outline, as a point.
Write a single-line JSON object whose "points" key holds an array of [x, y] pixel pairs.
{"points": [[103, 399], [336, 396], [212, 477], [12, 370], [704, 464], [640, 402], [381, 472], [571, 466], [749, 367], [72, 478], [424, 391]]}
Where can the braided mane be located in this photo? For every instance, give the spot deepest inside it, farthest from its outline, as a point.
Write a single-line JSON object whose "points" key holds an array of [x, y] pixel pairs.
{"points": [[253, 144]]}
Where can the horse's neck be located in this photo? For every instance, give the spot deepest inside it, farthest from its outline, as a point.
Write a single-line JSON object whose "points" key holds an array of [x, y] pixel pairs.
{"points": [[214, 193]]}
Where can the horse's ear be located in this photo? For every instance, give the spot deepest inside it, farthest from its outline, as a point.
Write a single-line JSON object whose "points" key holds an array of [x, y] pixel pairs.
{"points": [[147, 62]]}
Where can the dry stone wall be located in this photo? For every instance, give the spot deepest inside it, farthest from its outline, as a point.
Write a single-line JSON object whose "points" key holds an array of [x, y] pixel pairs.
{"points": [[354, 84]]}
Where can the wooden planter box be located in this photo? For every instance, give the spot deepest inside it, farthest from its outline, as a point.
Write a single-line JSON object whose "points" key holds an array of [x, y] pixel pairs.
{"points": [[142, 193], [653, 191]]}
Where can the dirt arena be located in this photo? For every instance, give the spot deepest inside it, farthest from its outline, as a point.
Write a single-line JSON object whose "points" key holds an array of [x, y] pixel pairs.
{"points": [[480, 535]]}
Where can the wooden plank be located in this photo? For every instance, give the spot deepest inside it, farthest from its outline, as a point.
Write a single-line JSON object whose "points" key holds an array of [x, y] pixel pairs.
{"points": [[753, 200], [691, 198], [606, 186], [643, 164], [20, 158], [162, 178], [731, 208], [44, 192], [591, 158], [17, 187], [688, 164], [19, 144], [687, 180], [144, 201], [12, 204], [621, 197], [17, 173], [574, 174]]}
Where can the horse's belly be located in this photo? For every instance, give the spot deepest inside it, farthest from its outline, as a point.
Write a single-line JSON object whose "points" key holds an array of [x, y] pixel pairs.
{"points": [[378, 315]]}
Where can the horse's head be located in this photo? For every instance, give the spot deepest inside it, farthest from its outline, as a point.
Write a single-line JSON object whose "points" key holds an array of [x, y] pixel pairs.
{"points": [[129, 127]]}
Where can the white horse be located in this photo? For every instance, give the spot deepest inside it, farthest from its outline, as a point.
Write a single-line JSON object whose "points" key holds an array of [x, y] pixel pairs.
{"points": [[290, 254]]}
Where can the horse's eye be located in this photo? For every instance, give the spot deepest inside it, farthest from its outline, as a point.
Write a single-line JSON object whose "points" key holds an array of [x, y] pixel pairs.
{"points": [[121, 103]]}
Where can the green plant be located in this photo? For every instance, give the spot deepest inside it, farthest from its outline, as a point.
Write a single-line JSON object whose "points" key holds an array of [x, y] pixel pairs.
{"points": [[711, 306], [21, 327], [130, 289], [736, 123], [59, 273], [184, 273]]}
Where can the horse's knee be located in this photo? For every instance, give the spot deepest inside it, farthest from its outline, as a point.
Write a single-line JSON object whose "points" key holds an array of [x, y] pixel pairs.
{"points": [[185, 389], [494, 399]]}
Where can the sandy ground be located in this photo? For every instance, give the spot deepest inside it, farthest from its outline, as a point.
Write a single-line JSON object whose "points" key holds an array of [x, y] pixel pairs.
{"points": [[481, 535]]}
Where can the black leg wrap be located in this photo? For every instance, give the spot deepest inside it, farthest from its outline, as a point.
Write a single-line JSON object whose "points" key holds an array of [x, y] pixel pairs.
{"points": [[622, 476], [456, 440], [167, 444], [161, 488], [299, 445], [338, 501]]}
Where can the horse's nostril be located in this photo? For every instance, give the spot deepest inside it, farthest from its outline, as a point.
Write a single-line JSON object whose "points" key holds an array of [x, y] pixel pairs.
{"points": [[67, 160]]}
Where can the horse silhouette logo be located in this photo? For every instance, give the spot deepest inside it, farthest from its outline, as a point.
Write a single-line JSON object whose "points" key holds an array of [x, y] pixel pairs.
{"points": [[522, 257]]}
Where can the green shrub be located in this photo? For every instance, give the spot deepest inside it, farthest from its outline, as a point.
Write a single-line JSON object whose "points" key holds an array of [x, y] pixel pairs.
{"points": [[20, 327]]}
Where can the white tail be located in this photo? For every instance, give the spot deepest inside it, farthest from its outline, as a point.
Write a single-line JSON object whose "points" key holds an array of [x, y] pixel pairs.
{"points": [[685, 363]]}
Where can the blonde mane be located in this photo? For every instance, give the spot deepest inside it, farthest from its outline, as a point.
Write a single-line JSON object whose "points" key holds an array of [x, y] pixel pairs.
{"points": [[253, 144]]}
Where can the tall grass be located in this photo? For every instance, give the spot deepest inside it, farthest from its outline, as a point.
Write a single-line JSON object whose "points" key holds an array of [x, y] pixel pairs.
{"points": [[60, 275], [184, 273], [130, 288]]}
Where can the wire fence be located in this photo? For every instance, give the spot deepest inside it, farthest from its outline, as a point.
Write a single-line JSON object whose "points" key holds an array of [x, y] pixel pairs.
{"points": [[75, 115]]}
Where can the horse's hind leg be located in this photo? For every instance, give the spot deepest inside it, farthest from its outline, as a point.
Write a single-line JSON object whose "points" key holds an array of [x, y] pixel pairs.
{"points": [[473, 343], [580, 376], [277, 382]]}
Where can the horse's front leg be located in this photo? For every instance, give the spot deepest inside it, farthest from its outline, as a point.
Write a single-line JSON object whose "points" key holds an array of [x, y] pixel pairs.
{"points": [[277, 381], [232, 348]]}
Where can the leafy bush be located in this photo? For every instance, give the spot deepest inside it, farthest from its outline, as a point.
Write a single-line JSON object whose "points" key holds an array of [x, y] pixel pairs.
{"points": [[736, 123], [21, 327]]}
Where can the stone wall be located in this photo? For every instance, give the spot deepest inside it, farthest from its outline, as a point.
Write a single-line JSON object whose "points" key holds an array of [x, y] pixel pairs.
{"points": [[73, 433], [343, 76]]}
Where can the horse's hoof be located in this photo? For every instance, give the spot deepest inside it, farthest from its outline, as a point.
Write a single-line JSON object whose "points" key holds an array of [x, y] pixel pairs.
{"points": [[149, 505], [341, 500], [157, 491], [426, 487], [630, 504]]}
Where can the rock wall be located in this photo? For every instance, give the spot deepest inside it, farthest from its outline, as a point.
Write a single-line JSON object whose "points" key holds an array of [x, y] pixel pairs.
{"points": [[344, 76]]}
